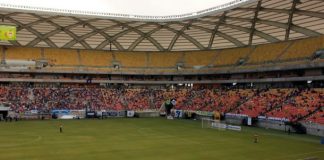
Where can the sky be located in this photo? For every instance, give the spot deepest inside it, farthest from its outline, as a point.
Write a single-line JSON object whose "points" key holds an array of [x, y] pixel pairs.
{"points": [[133, 7]]}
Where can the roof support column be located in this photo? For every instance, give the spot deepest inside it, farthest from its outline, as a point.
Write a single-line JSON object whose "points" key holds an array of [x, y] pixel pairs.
{"points": [[290, 19], [180, 33], [212, 37], [256, 13]]}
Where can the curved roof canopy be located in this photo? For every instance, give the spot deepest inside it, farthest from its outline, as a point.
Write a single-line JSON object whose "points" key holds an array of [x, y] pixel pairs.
{"points": [[139, 10], [240, 24]]}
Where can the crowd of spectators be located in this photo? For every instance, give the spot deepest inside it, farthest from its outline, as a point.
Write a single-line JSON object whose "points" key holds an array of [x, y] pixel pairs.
{"points": [[264, 101], [291, 103], [303, 102]]}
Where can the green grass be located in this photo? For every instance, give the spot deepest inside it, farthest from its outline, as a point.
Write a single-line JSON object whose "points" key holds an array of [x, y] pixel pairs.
{"points": [[147, 139]]}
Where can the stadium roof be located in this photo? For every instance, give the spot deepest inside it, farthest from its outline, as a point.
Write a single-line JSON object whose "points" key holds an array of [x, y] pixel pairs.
{"points": [[122, 8], [235, 24]]}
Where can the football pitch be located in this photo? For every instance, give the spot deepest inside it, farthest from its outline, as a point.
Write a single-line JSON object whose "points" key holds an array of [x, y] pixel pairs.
{"points": [[148, 139]]}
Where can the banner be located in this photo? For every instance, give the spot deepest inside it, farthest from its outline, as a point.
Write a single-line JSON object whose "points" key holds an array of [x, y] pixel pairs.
{"points": [[249, 121], [234, 128], [91, 113], [130, 113], [7, 33], [218, 125], [204, 113], [273, 119], [178, 113], [114, 113], [4, 108], [33, 111], [61, 112], [233, 115]]}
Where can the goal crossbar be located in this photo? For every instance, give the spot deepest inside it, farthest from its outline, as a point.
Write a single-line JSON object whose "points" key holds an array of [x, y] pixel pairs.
{"points": [[211, 123]]}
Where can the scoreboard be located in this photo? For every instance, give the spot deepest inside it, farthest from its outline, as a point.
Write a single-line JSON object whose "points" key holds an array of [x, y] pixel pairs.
{"points": [[7, 33]]}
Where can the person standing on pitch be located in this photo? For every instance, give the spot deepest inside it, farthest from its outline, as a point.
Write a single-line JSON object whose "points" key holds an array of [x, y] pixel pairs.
{"points": [[61, 128], [169, 104], [256, 138]]}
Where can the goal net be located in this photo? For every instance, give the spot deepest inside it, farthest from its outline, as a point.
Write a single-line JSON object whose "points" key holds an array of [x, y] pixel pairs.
{"points": [[210, 123]]}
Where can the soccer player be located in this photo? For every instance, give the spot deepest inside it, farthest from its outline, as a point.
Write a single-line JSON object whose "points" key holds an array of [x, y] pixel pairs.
{"points": [[256, 138], [61, 128], [169, 104], [289, 131]]}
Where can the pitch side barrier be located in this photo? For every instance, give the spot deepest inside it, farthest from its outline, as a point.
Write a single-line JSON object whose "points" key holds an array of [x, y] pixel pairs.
{"points": [[217, 124], [28, 115], [273, 119], [111, 114], [78, 114], [127, 113], [190, 114]]}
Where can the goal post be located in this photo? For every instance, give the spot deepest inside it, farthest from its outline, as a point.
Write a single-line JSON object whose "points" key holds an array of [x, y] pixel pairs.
{"points": [[211, 123], [217, 124]]}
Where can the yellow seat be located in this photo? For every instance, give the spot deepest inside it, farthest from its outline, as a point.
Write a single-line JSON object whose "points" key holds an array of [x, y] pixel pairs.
{"points": [[304, 48], [199, 58], [67, 57], [267, 52], [164, 59], [23, 53], [131, 59], [95, 58], [231, 56]]}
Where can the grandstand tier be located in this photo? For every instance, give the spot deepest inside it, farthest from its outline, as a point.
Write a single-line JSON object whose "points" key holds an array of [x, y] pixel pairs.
{"points": [[285, 54], [164, 59], [291, 104], [22, 53], [268, 52], [96, 58], [62, 57], [129, 59]]}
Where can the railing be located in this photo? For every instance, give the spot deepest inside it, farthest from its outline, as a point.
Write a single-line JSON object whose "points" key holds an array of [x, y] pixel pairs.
{"points": [[94, 81]]}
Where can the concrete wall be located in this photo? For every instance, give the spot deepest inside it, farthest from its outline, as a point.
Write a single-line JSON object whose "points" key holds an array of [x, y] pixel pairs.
{"points": [[274, 125], [314, 129], [311, 128]]}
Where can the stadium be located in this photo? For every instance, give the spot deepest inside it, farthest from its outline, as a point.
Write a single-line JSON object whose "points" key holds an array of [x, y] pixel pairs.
{"points": [[230, 79]]}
